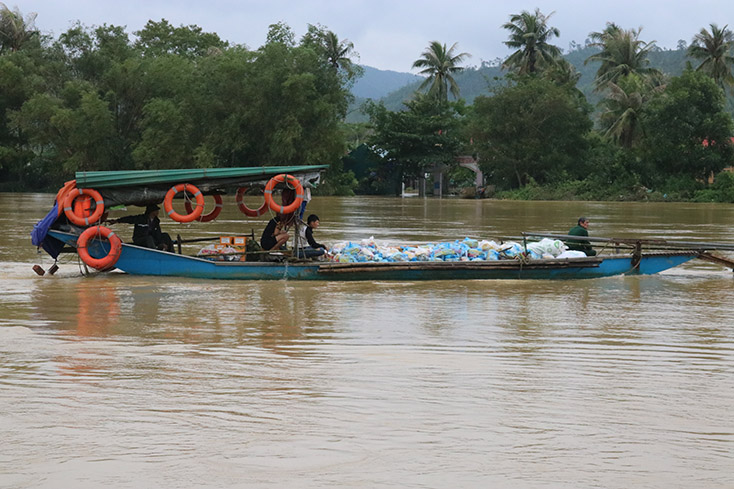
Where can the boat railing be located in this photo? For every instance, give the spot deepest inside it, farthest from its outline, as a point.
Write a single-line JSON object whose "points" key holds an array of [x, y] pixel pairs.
{"points": [[658, 244]]}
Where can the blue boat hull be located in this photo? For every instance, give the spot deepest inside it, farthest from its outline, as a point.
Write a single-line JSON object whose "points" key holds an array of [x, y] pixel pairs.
{"points": [[144, 261]]}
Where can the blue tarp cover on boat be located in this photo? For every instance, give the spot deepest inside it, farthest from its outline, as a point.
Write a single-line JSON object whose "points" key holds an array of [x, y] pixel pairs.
{"points": [[39, 235]]}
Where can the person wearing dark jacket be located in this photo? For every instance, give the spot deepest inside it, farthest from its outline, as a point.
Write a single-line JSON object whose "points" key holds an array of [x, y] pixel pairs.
{"points": [[147, 231], [581, 229], [314, 249]]}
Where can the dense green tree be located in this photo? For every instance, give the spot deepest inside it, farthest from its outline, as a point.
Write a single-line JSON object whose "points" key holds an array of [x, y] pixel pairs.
{"points": [[23, 73], [530, 34], [75, 129], [296, 105], [166, 136], [714, 50], [179, 97], [412, 141], [439, 65], [622, 53], [281, 33], [160, 38], [89, 53], [533, 130], [688, 130]]}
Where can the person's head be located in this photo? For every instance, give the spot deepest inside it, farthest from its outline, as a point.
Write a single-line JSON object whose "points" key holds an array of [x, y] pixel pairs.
{"points": [[152, 210], [584, 222], [313, 221]]}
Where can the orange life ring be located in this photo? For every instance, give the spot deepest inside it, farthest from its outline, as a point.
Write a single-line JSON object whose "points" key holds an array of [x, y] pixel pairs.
{"points": [[61, 195], [212, 215], [168, 202], [81, 220], [246, 210], [293, 207], [108, 261]]}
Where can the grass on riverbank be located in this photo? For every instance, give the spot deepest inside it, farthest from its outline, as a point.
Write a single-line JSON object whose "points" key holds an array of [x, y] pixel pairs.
{"points": [[672, 190]]}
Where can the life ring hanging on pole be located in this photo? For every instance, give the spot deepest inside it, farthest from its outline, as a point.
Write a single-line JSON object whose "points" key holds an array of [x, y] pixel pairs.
{"points": [[81, 220], [246, 210], [183, 187], [106, 262], [293, 206], [212, 215]]}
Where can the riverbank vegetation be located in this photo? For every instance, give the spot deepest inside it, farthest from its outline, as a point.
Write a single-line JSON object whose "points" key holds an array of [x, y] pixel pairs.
{"points": [[98, 98]]}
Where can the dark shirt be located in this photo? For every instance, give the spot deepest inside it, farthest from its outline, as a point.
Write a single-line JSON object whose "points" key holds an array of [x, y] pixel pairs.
{"points": [[581, 244], [312, 242], [267, 240], [144, 227]]}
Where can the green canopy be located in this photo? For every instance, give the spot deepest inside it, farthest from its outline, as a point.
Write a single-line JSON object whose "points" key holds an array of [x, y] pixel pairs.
{"points": [[143, 187], [134, 178]]}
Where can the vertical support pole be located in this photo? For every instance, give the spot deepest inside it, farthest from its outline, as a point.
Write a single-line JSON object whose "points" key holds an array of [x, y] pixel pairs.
{"points": [[637, 255]]}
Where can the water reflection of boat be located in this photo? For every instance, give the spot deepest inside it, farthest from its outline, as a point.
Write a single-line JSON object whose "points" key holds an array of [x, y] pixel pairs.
{"points": [[76, 224]]}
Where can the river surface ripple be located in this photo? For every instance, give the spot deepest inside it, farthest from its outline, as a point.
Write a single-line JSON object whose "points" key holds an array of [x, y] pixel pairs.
{"points": [[112, 380]]}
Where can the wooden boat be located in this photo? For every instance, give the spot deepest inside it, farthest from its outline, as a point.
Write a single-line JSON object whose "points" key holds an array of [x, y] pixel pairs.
{"points": [[145, 187], [137, 260]]}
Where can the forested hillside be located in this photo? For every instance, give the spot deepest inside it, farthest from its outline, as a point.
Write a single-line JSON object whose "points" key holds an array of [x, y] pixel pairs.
{"points": [[475, 81]]}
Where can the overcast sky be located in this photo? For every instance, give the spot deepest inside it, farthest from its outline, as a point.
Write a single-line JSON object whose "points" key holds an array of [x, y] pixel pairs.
{"points": [[391, 34]]}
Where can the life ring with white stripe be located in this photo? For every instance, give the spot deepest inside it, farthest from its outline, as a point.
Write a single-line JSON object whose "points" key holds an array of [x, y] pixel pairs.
{"points": [[106, 262], [184, 187], [293, 181], [246, 210], [81, 220], [213, 214]]}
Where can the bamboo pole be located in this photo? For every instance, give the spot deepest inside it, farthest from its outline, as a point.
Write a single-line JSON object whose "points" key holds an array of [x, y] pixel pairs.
{"points": [[717, 259]]}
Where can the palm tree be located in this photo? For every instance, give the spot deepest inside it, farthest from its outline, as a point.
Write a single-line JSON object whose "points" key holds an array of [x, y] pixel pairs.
{"points": [[622, 109], [563, 73], [713, 49], [14, 30], [439, 64], [530, 35], [622, 53], [338, 52]]}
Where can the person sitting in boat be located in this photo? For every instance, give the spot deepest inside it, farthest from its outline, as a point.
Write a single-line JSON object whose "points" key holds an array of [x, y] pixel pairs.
{"points": [[581, 229], [147, 231], [275, 234], [313, 249]]}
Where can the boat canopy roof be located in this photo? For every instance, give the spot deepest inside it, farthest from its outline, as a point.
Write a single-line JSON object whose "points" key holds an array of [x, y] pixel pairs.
{"points": [[143, 187], [130, 178]]}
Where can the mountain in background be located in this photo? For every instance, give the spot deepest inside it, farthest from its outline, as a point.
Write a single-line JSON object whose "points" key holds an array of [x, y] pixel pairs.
{"points": [[475, 81], [375, 83]]}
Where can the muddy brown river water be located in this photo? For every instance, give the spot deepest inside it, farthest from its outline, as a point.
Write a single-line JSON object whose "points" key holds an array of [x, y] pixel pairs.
{"points": [[112, 380]]}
